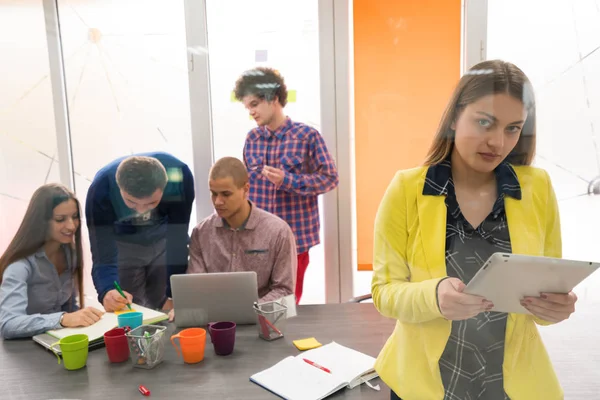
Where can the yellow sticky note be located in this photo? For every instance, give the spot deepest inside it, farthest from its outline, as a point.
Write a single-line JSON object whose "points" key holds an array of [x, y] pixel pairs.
{"points": [[126, 310], [291, 96], [306, 344]]}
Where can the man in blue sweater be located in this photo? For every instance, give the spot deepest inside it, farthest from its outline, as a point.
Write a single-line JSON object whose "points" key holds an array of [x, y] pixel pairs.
{"points": [[138, 213]]}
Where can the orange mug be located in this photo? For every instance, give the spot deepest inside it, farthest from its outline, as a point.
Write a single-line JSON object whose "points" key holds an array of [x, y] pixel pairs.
{"points": [[192, 342]]}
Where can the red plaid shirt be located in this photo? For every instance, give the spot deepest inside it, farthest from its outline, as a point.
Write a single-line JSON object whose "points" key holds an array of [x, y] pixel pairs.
{"points": [[301, 153]]}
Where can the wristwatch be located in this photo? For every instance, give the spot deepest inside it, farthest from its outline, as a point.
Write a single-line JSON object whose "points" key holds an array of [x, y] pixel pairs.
{"points": [[62, 316]]}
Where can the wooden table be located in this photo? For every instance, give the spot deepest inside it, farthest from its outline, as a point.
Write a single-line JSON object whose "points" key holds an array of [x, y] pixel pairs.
{"points": [[28, 371]]}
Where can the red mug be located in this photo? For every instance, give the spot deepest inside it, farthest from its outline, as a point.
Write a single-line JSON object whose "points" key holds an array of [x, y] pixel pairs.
{"points": [[117, 346]]}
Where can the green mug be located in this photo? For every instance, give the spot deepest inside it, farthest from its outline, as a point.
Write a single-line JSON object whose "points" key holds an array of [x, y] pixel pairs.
{"points": [[74, 349]]}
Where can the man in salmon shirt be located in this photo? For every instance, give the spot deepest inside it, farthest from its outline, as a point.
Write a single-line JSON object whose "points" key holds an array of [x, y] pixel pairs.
{"points": [[239, 236]]}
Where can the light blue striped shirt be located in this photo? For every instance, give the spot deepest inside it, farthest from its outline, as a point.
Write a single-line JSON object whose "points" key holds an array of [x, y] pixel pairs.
{"points": [[33, 296]]}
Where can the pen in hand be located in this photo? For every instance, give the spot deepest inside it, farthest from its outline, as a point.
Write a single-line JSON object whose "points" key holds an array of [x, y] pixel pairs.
{"points": [[121, 293]]}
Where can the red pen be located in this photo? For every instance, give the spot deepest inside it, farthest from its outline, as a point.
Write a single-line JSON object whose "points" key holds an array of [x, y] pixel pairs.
{"points": [[143, 390], [314, 364], [273, 327]]}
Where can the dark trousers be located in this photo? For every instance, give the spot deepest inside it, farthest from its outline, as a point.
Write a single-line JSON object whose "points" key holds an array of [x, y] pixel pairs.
{"points": [[143, 272], [394, 396]]}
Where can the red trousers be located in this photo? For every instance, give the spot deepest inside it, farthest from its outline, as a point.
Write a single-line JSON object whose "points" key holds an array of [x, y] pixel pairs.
{"points": [[303, 261]]}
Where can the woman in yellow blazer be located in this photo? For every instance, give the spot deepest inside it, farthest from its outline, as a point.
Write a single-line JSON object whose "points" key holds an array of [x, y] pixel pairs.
{"points": [[437, 224]]}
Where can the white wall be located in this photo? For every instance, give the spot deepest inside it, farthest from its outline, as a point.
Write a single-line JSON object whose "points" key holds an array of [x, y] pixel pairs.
{"points": [[557, 44], [292, 46], [127, 87], [128, 91], [27, 133], [288, 31]]}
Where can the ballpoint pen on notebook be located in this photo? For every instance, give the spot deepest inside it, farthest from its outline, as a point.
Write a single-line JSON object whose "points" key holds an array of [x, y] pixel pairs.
{"points": [[121, 293], [314, 364]]}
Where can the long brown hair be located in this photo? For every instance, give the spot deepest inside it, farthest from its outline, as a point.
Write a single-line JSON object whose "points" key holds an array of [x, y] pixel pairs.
{"points": [[488, 78], [32, 234]]}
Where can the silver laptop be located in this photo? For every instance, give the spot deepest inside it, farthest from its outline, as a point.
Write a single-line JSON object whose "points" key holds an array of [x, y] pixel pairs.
{"points": [[222, 296]]}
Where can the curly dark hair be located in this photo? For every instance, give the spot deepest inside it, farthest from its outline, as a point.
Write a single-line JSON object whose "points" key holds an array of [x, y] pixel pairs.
{"points": [[262, 82]]}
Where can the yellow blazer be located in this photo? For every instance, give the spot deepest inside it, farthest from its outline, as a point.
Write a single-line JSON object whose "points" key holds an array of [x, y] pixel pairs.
{"points": [[409, 261]]}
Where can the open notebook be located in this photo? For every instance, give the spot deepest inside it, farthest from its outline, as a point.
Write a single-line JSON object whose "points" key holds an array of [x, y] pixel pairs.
{"points": [[294, 379], [107, 322]]}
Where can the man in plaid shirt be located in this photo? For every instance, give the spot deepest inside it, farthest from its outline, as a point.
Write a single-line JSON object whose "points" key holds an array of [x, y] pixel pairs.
{"points": [[288, 162]]}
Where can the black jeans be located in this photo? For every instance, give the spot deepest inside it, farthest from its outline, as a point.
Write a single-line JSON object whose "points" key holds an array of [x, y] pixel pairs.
{"points": [[143, 272], [394, 396]]}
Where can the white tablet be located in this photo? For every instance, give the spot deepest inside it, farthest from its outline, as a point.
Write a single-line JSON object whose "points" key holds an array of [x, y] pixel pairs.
{"points": [[506, 278]]}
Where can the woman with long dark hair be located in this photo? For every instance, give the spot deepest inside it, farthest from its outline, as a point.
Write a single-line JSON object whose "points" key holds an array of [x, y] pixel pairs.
{"points": [[475, 195], [41, 271]]}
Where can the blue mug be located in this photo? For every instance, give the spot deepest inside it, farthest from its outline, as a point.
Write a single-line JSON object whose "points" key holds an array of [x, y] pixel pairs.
{"points": [[131, 319]]}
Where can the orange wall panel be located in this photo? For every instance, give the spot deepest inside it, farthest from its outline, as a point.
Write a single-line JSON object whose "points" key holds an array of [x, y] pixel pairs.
{"points": [[406, 63]]}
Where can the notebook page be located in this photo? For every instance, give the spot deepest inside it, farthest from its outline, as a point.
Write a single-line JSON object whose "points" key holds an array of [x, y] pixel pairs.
{"points": [[344, 363], [107, 322], [293, 379], [150, 316], [362, 379]]}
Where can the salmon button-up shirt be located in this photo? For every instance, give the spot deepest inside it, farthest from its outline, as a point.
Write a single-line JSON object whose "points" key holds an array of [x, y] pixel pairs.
{"points": [[264, 244]]}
